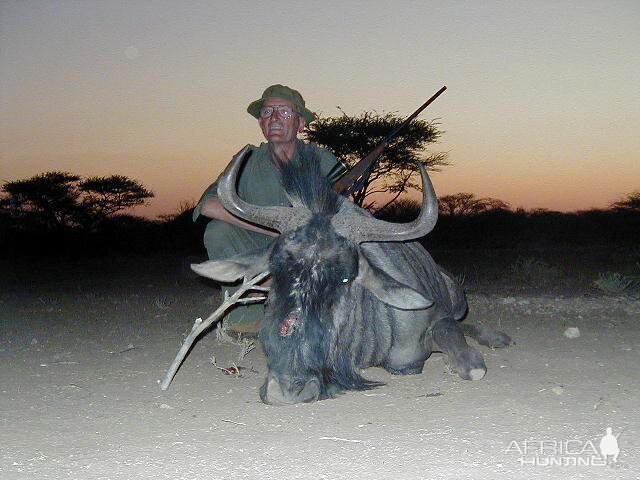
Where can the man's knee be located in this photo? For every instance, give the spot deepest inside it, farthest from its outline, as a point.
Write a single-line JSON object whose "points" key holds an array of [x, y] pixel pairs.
{"points": [[220, 240], [223, 240]]}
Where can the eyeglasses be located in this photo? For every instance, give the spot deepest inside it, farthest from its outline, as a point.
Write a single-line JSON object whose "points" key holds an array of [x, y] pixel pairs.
{"points": [[285, 111]]}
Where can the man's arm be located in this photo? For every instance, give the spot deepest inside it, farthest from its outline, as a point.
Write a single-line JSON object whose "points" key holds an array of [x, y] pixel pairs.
{"points": [[213, 208]]}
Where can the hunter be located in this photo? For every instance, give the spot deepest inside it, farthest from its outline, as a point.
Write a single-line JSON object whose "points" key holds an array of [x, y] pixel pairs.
{"points": [[281, 115]]}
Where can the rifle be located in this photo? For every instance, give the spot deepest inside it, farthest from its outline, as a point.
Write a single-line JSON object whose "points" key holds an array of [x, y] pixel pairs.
{"points": [[354, 179]]}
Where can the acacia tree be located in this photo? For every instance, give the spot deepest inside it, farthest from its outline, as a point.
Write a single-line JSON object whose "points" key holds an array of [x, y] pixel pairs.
{"points": [[630, 202], [464, 203], [104, 196], [351, 138], [54, 200], [48, 200]]}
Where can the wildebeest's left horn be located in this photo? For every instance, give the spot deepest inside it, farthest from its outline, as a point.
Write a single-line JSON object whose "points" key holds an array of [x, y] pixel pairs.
{"points": [[369, 229], [277, 218]]}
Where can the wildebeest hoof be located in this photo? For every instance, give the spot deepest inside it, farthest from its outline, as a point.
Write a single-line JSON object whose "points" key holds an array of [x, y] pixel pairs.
{"points": [[411, 369], [476, 374], [468, 364]]}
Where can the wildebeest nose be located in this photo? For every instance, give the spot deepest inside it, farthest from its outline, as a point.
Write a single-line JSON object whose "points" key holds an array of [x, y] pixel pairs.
{"points": [[286, 392]]}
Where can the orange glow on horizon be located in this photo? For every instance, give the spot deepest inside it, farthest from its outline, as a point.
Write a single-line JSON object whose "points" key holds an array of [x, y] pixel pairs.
{"points": [[542, 107]]}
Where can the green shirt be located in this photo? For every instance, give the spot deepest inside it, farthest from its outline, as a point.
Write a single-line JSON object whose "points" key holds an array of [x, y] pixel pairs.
{"points": [[259, 184]]}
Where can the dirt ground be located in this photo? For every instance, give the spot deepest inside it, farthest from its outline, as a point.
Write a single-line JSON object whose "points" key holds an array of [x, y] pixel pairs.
{"points": [[83, 346]]}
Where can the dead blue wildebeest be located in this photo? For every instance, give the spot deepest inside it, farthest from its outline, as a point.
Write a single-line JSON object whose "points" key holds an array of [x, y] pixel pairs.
{"points": [[348, 291]]}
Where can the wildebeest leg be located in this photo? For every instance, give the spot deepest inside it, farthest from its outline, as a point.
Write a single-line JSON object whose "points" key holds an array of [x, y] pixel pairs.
{"points": [[469, 364], [411, 347]]}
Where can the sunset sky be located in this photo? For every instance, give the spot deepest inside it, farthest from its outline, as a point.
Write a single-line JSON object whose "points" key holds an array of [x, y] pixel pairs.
{"points": [[542, 108]]}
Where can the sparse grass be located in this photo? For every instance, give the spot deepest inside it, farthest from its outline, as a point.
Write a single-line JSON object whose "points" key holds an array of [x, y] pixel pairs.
{"points": [[246, 344], [163, 303], [615, 283], [532, 271], [49, 301]]}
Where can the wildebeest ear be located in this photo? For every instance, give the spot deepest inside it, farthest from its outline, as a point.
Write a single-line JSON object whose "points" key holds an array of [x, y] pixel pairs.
{"points": [[388, 290], [234, 268]]}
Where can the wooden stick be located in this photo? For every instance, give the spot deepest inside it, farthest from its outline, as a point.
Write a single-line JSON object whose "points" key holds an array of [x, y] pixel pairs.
{"points": [[200, 326]]}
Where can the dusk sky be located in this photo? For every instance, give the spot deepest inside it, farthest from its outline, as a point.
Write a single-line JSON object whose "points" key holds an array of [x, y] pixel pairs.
{"points": [[542, 108]]}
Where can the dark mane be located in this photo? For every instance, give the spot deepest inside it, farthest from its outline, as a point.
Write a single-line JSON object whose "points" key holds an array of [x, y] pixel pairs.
{"points": [[304, 181]]}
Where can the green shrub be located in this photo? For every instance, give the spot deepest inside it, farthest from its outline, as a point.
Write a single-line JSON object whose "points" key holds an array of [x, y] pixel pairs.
{"points": [[615, 283]]}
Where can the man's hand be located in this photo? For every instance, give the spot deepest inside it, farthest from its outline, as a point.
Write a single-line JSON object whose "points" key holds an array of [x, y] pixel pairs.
{"points": [[213, 208]]}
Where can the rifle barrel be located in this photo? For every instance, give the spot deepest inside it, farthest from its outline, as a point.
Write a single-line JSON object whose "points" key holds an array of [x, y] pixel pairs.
{"points": [[414, 114], [348, 180]]}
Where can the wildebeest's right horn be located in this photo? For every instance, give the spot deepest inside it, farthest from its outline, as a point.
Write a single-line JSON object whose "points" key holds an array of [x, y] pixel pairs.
{"points": [[369, 229], [277, 218]]}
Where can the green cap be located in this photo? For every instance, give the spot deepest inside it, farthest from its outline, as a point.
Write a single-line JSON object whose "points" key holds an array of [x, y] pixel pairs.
{"points": [[286, 93]]}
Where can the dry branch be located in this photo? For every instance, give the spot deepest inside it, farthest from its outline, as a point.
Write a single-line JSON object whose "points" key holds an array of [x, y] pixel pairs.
{"points": [[200, 326]]}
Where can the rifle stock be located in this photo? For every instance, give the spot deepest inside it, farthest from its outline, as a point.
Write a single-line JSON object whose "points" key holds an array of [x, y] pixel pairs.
{"points": [[365, 166]]}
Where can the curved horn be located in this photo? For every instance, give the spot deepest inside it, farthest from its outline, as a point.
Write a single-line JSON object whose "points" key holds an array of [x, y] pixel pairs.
{"points": [[369, 229], [277, 218]]}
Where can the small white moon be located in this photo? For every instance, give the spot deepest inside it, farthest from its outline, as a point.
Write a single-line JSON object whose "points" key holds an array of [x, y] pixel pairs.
{"points": [[131, 52]]}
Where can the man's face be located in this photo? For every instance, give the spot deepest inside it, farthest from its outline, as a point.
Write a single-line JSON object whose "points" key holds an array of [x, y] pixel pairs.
{"points": [[277, 128]]}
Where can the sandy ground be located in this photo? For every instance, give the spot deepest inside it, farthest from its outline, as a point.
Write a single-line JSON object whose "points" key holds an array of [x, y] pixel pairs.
{"points": [[83, 347]]}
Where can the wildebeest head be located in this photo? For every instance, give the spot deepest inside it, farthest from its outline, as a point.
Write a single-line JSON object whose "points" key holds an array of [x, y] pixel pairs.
{"points": [[317, 268]]}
